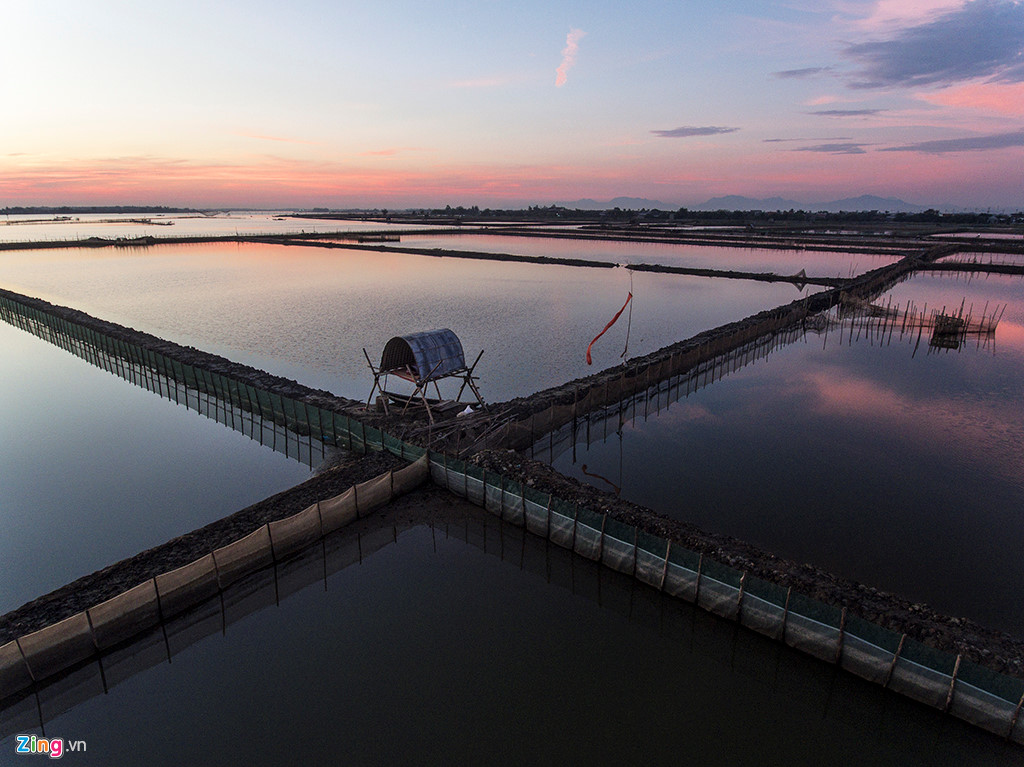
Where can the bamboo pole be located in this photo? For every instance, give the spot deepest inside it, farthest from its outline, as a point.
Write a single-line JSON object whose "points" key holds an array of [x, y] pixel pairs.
{"points": [[895, 658]]}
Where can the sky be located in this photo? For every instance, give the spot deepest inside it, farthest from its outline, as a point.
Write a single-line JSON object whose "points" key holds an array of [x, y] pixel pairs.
{"points": [[506, 104]]}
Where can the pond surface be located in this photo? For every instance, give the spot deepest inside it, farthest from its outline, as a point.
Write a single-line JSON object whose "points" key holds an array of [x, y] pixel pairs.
{"points": [[307, 313], [884, 460], [817, 263], [42, 228], [95, 469], [503, 651]]}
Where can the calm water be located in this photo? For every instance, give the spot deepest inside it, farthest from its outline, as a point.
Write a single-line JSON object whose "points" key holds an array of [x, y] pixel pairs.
{"points": [[894, 468], [816, 263], [506, 651], [986, 235], [37, 228], [306, 313], [900, 469], [95, 469]]}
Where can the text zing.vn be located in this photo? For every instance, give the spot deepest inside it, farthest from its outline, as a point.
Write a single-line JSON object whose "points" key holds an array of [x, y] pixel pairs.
{"points": [[52, 747]]}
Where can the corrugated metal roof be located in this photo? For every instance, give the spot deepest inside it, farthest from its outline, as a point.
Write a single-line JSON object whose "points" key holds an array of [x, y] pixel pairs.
{"points": [[428, 355]]}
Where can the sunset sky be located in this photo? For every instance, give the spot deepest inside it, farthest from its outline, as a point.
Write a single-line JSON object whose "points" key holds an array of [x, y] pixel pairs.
{"points": [[410, 104]]}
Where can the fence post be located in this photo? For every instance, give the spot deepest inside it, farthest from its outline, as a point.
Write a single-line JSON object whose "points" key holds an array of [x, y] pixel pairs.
{"points": [[785, 613], [700, 569], [1009, 733], [842, 634], [636, 554], [664, 569], [159, 607], [952, 684], [739, 597], [320, 516], [32, 676], [270, 537], [895, 657], [501, 497]]}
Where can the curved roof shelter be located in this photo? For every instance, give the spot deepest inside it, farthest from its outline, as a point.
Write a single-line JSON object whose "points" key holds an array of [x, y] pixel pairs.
{"points": [[423, 357]]}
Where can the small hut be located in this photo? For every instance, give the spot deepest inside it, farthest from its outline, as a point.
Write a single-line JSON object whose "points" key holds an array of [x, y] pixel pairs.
{"points": [[423, 359]]}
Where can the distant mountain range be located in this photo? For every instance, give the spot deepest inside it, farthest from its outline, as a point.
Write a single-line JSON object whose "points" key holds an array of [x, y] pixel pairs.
{"points": [[864, 202], [738, 202], [626, 203]]}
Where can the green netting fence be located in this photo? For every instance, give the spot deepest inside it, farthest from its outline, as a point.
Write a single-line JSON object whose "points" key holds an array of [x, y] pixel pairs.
{"points": [[975, 694], [950, 683]]}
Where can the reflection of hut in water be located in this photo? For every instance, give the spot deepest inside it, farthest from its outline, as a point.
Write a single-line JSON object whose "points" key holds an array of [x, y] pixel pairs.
{"points": [[948, 332], [423, 359]]}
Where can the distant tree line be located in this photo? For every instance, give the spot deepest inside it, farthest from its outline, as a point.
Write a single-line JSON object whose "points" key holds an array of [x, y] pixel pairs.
{"points": [[67, 209], [930, 216], [557, 213], [547, 213]]}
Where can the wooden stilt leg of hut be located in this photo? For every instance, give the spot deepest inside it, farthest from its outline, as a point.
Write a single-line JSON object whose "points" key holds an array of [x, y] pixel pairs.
{"points": [[376, 384], [468, 380], [411, 398], [426, 403]]}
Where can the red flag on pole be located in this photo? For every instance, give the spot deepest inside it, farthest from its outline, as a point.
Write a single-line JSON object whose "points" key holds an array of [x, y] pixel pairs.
{"points": [[617, 315]]}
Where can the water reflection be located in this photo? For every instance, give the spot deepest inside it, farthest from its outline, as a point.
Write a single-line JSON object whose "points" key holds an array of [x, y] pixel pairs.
{"points": [[38, 228], [305, 313], [817, 263], [275, 434], [391, 639], [888, 458], [94, 470], [852, 321]]}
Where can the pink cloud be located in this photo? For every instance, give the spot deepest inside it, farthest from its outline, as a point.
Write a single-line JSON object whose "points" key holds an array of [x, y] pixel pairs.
{"points": [[998, 98], [429, 178], [275, 181], [888, 14], [572, 46]]}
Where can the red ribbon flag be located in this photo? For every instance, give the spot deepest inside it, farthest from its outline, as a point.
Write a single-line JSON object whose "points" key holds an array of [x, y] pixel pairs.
{"points": [[617, 315]]}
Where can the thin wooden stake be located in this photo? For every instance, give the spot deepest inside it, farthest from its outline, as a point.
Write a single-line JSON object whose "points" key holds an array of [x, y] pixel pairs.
{"points": [[842, 634], [785, 613], [700, 568], [895, 657], [664, 569], [739, 597], [636, 547], [952, 683], [1013, 720]]}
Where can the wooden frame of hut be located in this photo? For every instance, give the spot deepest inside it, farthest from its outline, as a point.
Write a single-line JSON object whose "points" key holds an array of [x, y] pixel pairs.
{"points": [[423, 359]]}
